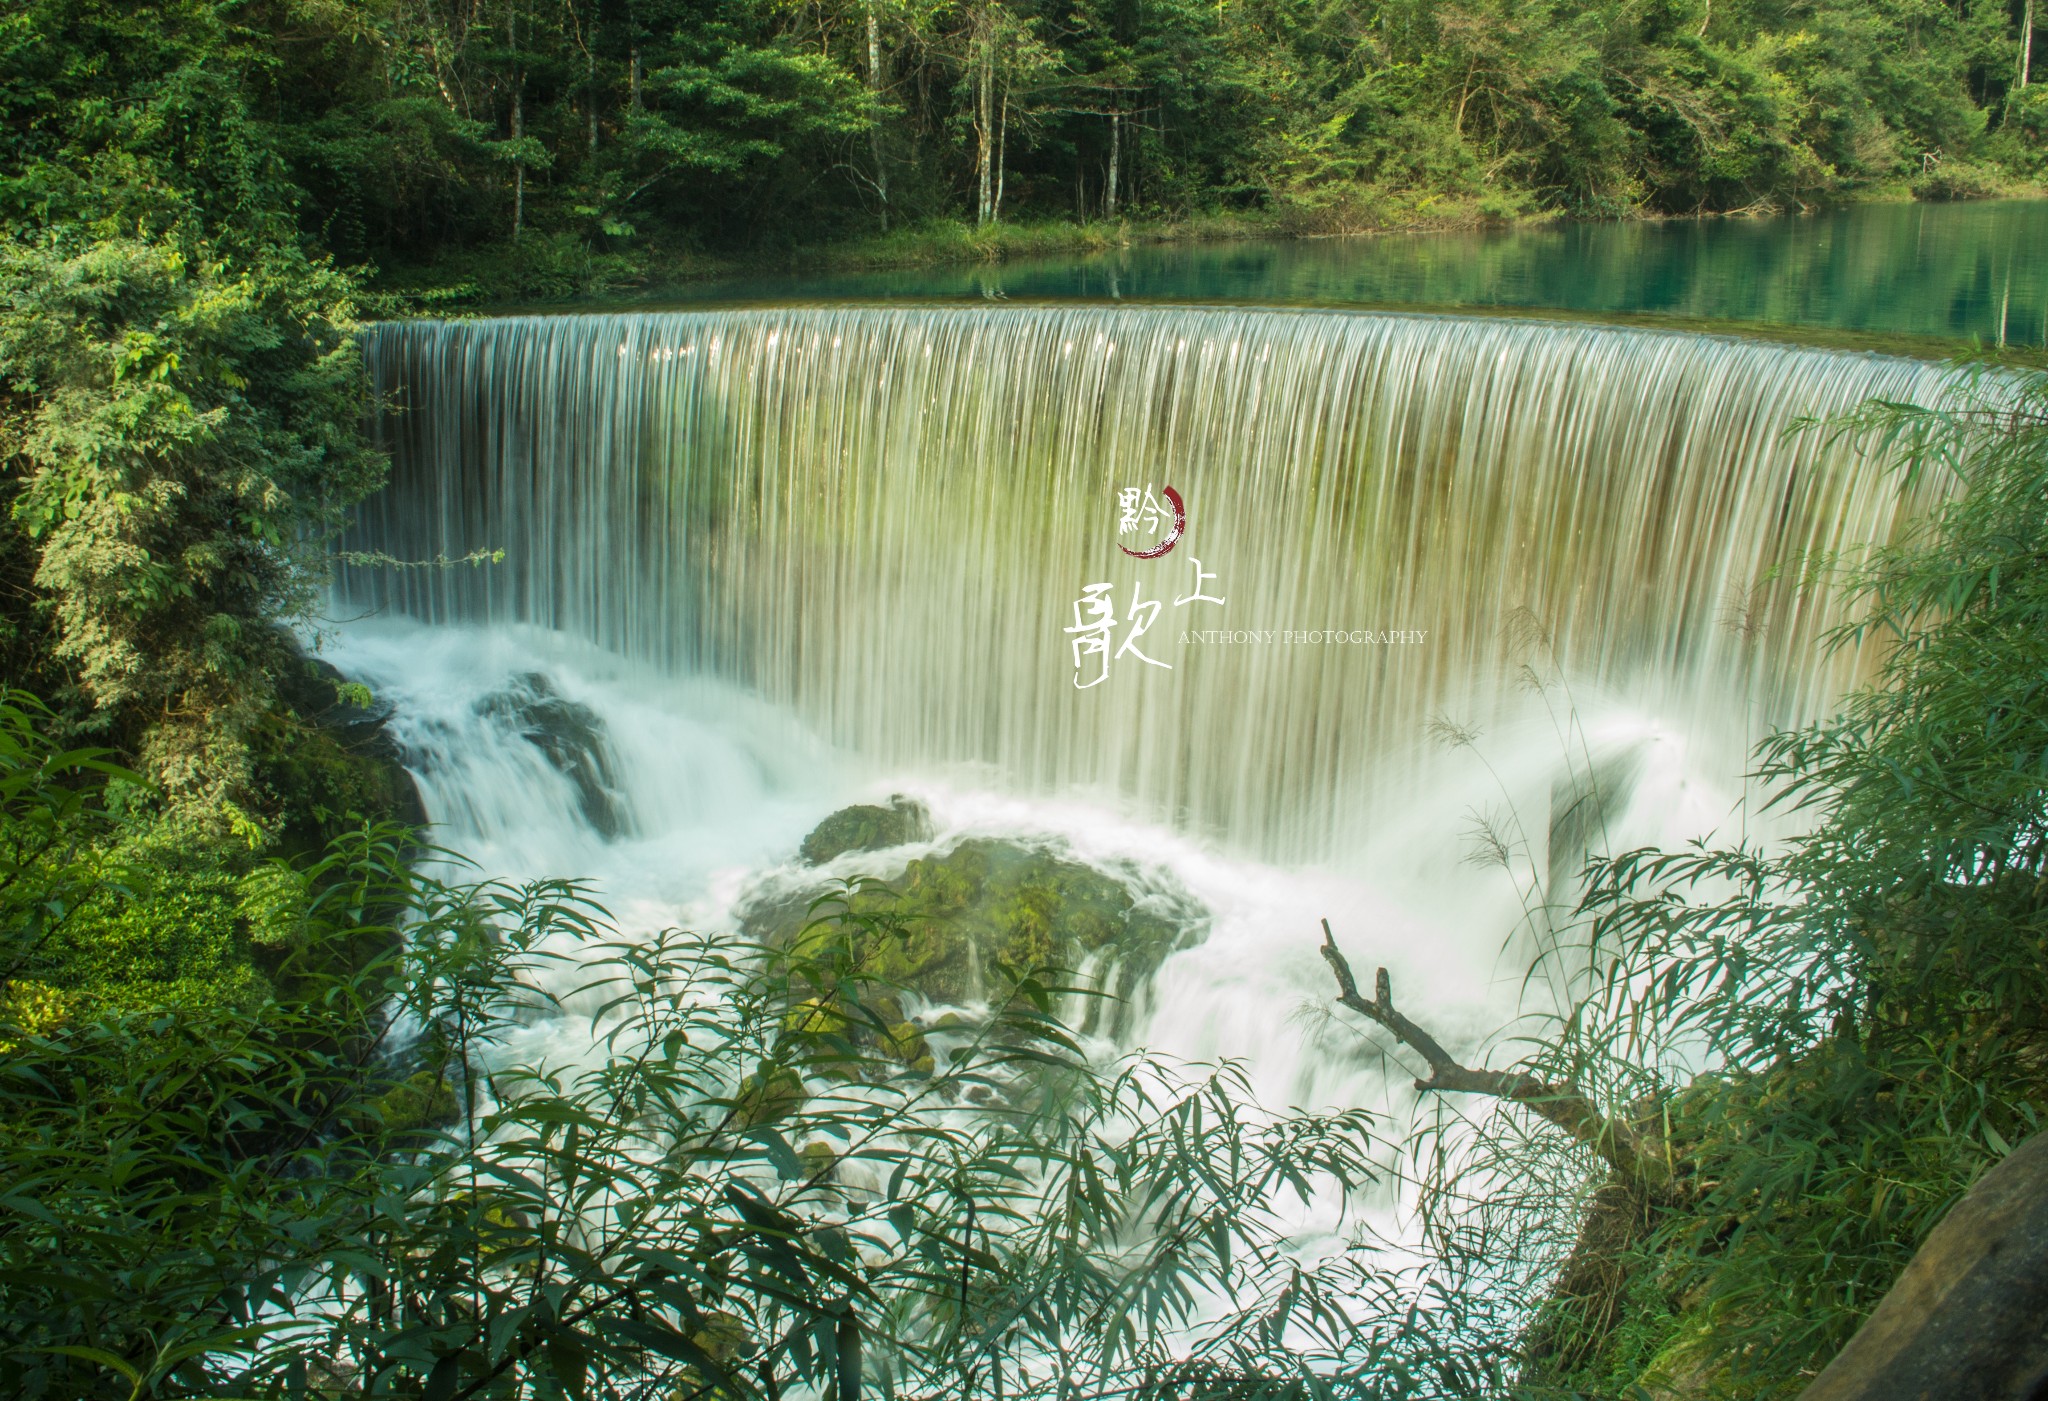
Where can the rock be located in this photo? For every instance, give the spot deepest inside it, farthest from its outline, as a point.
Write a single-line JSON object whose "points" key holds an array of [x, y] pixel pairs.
{"points": [[421, 1102], [1968, 1318], [1582, 805], [953, 925], [340, 762], [867, 828], [572, 739]]}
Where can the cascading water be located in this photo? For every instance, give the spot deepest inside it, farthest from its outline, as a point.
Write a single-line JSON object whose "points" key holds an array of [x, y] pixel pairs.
{"points": [[765, 562], [883, 519]]}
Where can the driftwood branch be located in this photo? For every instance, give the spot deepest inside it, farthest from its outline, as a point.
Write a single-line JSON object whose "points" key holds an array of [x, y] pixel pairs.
{"points": [[1622, 1147]]}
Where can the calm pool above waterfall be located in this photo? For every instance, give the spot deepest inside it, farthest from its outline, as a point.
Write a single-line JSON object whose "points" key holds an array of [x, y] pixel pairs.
{"points": [[1969, 272]]}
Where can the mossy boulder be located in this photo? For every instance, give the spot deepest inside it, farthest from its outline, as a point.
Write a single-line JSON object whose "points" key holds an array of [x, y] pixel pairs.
{"points": [[421, 1102], [955, 926], [327, 760], [867, 827]]}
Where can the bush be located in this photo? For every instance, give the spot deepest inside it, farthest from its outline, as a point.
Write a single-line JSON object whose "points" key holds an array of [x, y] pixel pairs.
{"points": [[1832, 1040], [514, 1154], [182, 445], [1952, 180]]}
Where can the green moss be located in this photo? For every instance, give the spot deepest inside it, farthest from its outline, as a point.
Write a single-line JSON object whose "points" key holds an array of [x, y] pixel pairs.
{"points": [[422, 1101], [867, 828], [767, 1098], [955, 926]]}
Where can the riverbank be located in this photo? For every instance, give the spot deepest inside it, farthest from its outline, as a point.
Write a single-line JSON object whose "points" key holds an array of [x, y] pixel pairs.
{"points": [[543, 271], [1902, 277]]}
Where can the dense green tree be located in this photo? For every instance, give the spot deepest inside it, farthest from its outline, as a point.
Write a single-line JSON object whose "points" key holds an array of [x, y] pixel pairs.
{"points": [[540, 146], [180, 395]]}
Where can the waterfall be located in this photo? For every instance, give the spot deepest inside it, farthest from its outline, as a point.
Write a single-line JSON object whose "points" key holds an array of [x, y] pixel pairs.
{"points": [[883, 520], [762, 563]]}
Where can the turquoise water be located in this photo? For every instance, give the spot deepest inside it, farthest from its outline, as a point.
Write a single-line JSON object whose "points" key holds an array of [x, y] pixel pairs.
{"points": [[1966, 272]]}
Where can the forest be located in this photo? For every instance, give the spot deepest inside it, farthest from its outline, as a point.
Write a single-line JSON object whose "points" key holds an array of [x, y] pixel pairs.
{"points": [[256, 1137], [514, 148]]}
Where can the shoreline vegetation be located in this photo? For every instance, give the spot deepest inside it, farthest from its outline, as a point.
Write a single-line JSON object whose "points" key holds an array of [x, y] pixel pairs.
{"points": [[474, 287], [954, 245]]}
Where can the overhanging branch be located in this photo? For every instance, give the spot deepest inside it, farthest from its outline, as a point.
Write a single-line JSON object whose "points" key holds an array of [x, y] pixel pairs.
{"points": [[1620, 1146]]}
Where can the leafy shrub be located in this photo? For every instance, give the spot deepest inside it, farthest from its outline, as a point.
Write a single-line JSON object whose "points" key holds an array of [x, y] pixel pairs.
{"points": [[515, 1154], [1834, 1039], [1951, 180], [181, 444]]}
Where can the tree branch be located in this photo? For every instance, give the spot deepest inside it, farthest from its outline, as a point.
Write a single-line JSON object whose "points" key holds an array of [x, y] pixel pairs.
{"points": [[1620, 1146]]}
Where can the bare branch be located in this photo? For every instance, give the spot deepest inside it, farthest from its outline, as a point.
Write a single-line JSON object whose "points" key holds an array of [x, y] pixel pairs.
{"points": [[1621, 1147]]}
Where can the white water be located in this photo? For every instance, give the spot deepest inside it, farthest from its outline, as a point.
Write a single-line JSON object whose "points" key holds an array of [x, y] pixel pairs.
{"points": [[720, 788], [800, 558]]}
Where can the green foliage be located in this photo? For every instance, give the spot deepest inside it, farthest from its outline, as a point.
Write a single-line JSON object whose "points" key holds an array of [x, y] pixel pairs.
{"points": [[514, 150], [180, 443], [1960, 180], [179, 394], [116, 905], [517, 1155], [1844, 1033]]}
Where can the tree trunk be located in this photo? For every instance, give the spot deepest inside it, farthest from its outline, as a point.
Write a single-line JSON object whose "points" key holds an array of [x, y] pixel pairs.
{"points": [[1116, 139], [518, 133], [985, 121], [633, 76], [848, 1372], [2026, 44], [1002, 151], [875, 125], [590, 81], [518, 166]]}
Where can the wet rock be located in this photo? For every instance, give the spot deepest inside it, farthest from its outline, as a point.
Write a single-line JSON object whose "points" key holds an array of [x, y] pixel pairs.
{"points": [[867, 827], [1582, 805], [573, 740], [340, 763], [956, 927]]}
